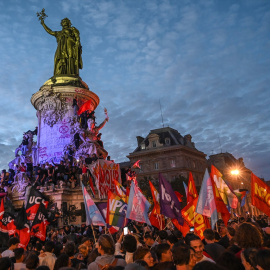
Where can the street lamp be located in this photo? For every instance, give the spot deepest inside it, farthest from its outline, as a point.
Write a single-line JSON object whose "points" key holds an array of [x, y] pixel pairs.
{"points": [[235, 172]]}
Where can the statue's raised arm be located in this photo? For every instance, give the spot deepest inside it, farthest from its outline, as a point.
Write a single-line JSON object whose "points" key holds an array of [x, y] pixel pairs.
{"points": [[68, 55], [53, 33]]}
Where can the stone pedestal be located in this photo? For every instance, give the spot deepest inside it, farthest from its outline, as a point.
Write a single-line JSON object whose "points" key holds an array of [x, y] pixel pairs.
{"points": [[56, 118], [69, 201]]}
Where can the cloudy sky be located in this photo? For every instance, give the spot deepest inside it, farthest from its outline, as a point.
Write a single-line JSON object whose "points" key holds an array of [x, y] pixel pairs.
{"points": [[206, 61]]}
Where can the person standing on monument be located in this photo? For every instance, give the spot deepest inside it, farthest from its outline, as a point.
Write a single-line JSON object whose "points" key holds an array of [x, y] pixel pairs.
{"points": [[67, 58], [24, 144]]}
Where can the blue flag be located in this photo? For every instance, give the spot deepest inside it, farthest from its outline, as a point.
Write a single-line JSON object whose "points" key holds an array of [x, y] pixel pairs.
{"points": [[93, 215], [244, 199], [169, 203]]}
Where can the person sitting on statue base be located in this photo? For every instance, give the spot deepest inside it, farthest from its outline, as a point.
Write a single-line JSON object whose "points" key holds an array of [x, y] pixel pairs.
{"points": [[60, 171], [29, 170], [22, 168], [94, 157], [72, 181], [84, 172], [70, 153], [11, 177], [50, 182], [24, 144], [99, 141], [4, 178], [77, 140], [75, 106], [35, 132], [40, 177]]}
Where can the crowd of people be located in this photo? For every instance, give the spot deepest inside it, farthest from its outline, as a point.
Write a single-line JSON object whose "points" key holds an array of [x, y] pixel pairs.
{"points": [[44, 175], [242, 244]]}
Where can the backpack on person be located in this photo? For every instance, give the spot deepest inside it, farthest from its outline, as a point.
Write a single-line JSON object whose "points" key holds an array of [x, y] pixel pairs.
{"points": [[106, 266]]}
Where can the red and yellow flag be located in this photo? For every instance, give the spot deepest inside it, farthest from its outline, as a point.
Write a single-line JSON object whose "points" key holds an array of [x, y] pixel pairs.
{"points": [[220, 205], [199, 221], [192, 191], [260, 194], [120, 190], [155, 194], [155, 217]]}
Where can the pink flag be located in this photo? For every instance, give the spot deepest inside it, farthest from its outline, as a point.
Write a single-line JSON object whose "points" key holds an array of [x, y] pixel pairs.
{"points": [[138, 205], [206, 205]]}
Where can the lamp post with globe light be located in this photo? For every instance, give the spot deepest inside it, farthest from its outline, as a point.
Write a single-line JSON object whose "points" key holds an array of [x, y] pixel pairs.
{"points": [[236, 173]]}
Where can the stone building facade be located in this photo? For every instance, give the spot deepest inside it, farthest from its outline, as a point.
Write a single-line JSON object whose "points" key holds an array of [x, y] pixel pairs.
{"points": [[226, 163], [166, 151]]}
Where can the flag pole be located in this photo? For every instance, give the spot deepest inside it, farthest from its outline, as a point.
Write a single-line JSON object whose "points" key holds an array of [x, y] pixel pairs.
{"points": [[93, 232]]}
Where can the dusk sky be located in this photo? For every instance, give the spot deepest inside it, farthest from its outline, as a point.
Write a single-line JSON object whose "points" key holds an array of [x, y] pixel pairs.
{"points": [[208, 62]]}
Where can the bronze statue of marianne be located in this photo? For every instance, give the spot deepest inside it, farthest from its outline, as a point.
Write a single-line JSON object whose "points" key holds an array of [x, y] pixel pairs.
{"points": [[68, 55]]}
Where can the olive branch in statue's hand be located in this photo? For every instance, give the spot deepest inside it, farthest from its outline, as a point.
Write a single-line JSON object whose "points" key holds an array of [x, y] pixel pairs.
{"points": [[41, 15]]}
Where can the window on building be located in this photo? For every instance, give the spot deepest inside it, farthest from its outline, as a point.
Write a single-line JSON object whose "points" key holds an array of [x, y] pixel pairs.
{"points": [[142, 146], [154, 144], [172, 162], [156, 166], [167, 141]]}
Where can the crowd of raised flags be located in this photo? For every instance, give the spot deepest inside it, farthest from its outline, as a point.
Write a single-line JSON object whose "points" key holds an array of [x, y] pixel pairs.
{"points": [[202, 211]]}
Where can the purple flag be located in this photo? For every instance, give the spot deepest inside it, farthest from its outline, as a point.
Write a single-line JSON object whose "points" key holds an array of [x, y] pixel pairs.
{"points": [[102, 207], [169, 203]]}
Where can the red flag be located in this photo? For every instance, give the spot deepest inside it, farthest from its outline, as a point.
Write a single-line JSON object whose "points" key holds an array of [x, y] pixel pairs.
{"points": [[127, 194], [156, 218], [113, 229], [179, 196], [34, 200], [191, 191], [198, 221], [155, 195], [136, 164], [7, 224], [22, 228], [40, 223], [2, 209], [24, 236], [183, 229], [260, 194], [91, 185], [220, 205], [85, 107]]}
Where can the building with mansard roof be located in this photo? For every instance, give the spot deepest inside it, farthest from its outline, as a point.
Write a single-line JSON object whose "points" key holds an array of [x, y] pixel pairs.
{"points": [[166, 151]]}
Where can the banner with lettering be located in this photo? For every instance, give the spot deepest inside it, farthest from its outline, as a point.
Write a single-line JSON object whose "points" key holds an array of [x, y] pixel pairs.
{"points": [[34, 200], [7, 224], [260, 194], [198, 221], [116, 211], [104, 173], [138, 206], [40, 223], [169, 203]]}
